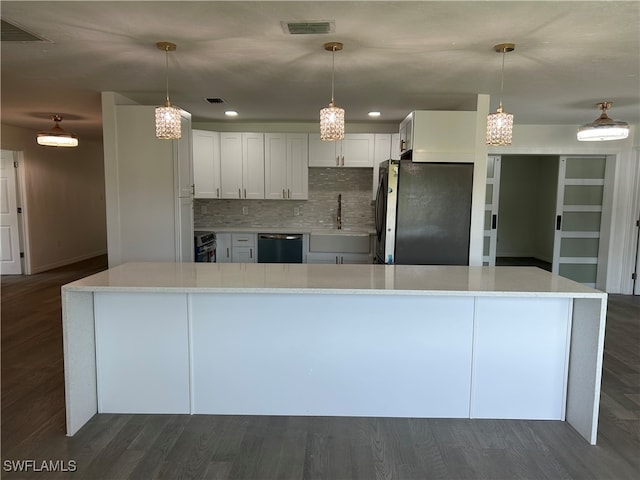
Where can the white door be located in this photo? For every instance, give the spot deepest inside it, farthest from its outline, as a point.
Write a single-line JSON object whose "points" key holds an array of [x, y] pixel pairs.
{"points": [[492, 197], [9, 237], [578, 218]]}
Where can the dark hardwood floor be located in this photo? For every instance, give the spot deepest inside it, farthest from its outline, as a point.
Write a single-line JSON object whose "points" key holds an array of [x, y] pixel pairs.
{"points": [[119, 447]]}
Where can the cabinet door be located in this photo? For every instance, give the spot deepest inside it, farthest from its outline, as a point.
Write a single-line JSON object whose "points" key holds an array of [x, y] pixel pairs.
{"points": [[223, 248], [183, 166], [253, 165], [298, 166], [231, 164], [322, 153], [275, 166], [357, 150], [142, 352], [206, 164], [244, 254]]}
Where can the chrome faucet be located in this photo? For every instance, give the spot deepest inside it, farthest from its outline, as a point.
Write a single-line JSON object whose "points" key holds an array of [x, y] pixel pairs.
{"points": [[339, 219]]}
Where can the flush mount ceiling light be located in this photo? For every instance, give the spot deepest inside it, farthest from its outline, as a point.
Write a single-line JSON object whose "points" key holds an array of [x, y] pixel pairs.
{"points": [[500, 123], [332, 117], [603, 128], [167, 117], [57, 137]]}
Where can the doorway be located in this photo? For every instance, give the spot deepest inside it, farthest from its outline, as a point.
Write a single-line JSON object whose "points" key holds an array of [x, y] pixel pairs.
{"points": [[547, 211], [527, 210], [10, 221]]}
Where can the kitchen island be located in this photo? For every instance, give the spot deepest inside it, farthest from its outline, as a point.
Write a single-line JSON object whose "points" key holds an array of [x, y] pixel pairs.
{"points": [[333, 340]]}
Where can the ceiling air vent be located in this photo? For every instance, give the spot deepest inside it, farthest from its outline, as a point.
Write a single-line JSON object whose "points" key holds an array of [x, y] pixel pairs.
{"points": [[309, 28], [10, 32], [214, 100]]}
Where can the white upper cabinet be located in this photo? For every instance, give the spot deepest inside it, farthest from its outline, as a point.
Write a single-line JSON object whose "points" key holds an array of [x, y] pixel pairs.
{"points": [[356, 150], [206, 164], [440, 136], [242, 165], [286, 166]]}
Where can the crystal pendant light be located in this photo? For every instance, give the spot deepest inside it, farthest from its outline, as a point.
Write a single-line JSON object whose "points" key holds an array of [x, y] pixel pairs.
{"points": [[57, 136], [603, 128], [500, 123], [168, 117], [332, 117]]}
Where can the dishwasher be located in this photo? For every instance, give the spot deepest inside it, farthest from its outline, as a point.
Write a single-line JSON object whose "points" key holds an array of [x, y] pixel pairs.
{"points": [[280, 248]]}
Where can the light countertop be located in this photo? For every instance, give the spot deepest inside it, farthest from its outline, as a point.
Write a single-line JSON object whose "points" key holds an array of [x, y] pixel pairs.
{"points": [[289, 230], [332, 279]]}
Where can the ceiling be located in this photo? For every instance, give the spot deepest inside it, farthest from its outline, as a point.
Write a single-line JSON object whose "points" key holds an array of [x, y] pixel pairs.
{"points": [[398, 57]]}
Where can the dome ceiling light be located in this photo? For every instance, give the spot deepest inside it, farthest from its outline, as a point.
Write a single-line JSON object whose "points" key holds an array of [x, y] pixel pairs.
{"points": [[603, 128], [57, 136]]}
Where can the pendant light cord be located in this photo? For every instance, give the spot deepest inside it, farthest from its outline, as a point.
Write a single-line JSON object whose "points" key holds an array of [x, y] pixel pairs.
{"points": [[333, 66], [166, 57], [504, 51]]}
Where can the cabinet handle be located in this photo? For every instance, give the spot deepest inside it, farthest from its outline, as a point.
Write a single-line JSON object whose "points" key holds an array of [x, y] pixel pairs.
{"points": [[558, 222], [289, 193], [193, 189], [245, 193], [402, 142], [251, 253], [218, 192], [343, 160], [242, 240], [494, 222], [227, 252], [336, 259], [239, 194], [338, 161], [284, 195]]}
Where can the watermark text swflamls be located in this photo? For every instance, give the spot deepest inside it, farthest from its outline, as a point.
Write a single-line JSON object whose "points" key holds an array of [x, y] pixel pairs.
{"points": [[30, 465]]}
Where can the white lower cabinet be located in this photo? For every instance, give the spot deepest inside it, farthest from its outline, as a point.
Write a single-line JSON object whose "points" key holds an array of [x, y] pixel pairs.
{"points": [[339, 258], [520, 359], [438, 356], [244, 248], [142, 352], [223, 247]]}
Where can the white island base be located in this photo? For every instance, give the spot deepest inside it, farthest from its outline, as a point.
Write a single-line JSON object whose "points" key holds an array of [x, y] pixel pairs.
{"points": [[333, 340]]}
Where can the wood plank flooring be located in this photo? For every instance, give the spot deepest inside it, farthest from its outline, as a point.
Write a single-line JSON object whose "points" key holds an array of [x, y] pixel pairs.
{"points": [[118, 447]]}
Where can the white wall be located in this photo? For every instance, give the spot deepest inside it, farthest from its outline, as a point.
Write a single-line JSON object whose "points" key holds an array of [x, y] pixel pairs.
{"points": [[561, 140], [63, 194]]}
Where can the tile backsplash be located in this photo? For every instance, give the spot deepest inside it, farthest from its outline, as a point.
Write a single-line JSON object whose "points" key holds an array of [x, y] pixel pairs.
{"points": [[319, 211]]}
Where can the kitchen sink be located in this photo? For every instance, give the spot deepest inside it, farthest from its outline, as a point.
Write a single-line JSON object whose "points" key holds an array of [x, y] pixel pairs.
{"points": [[344, 241]]}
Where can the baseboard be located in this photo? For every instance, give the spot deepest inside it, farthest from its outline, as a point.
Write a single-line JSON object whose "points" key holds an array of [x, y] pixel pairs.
{"points": [[66, 261]]}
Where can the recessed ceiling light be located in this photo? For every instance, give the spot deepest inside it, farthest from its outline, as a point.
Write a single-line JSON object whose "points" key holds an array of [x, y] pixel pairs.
{"points": [[374, 114], [231, 113]]}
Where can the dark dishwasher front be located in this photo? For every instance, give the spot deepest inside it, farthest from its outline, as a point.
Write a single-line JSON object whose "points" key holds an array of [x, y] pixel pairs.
{"points": [[279, 248]]}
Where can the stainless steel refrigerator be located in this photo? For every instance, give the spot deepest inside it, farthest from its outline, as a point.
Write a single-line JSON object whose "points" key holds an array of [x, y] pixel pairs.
{"points": [[423, 213]]}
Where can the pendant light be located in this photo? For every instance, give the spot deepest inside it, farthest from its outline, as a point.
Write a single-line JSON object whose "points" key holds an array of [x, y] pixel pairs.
{"points": [[57, 137], [603, 128], [500, 123], [332, 117], [167, 117]]}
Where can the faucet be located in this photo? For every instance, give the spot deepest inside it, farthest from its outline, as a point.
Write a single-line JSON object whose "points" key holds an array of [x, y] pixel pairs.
{"points": [[339, 219]]}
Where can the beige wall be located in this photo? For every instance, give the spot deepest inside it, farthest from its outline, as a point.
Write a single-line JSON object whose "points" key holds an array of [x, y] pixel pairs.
{"points": [[63, 192]]}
